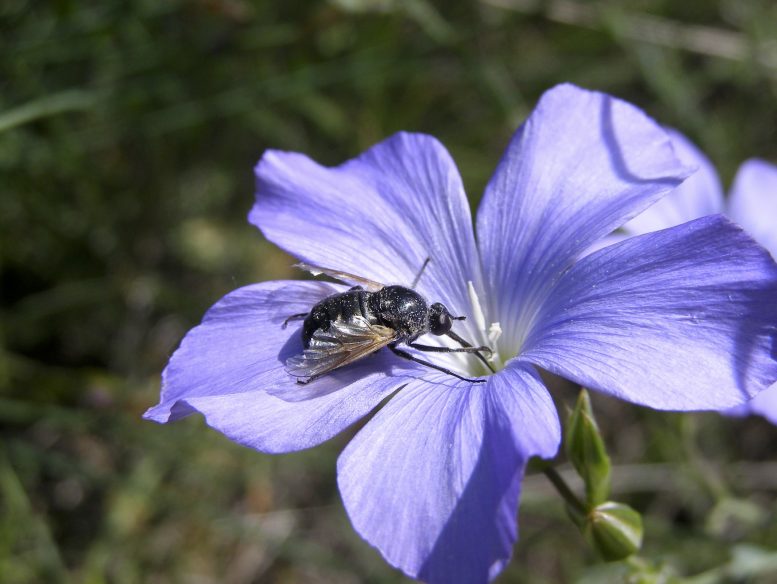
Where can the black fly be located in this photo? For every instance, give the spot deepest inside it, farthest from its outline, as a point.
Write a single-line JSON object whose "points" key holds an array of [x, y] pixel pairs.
{"points": [[347, 326]]}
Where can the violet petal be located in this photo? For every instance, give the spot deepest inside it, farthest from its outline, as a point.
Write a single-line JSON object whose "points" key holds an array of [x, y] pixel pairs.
{"points": [[433, 480], [753, 202], [378, 216], [226, 366], [579, 167], [680, 319]]}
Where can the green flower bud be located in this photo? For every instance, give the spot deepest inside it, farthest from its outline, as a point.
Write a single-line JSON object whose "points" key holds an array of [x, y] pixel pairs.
{"points": [[586, 451], [615, 530]]}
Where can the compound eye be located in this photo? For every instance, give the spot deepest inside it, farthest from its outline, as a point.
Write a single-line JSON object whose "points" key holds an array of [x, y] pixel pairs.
{"points": [[439, 320]]}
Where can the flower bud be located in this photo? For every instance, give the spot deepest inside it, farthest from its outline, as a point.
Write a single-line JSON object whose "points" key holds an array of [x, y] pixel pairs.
{"points": [[615, 530], [586, 451]]}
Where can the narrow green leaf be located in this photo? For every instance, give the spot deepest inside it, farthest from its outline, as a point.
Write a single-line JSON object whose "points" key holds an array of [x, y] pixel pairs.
{"points": [[50, 105]]}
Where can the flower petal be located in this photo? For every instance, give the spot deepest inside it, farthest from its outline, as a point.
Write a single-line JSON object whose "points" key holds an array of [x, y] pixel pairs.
{"points": [[227, 367], [605, 241], [680, 319], [578, 168], [433, 480], [764, 404], [379, 215], [701, 194], [753, 202]]}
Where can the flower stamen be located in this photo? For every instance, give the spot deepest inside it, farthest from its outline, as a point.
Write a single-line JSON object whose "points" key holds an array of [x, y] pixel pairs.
{"points": [[490, 334], [477, 309]]}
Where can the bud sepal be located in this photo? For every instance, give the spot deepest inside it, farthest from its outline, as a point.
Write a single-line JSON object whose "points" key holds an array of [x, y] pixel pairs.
{"points": [[614, 530], [586, 451]]}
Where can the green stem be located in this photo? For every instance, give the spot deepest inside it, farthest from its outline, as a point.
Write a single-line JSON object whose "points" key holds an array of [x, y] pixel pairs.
{"points": [[704, 471], [564, 490]]}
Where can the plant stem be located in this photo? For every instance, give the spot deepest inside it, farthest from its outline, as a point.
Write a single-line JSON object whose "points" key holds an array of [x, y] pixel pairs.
{"points": [[564, 490]]}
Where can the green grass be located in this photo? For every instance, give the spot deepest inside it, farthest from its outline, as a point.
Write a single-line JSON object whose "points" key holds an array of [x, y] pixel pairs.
{"points": [[128, 133]]}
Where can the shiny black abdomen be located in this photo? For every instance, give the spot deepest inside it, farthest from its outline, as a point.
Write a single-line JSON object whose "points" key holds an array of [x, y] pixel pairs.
{"points": [[344, 306]]}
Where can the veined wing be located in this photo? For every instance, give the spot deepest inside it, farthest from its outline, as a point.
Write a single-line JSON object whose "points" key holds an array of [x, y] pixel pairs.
{"points": [[342, 343], [346, 277]]}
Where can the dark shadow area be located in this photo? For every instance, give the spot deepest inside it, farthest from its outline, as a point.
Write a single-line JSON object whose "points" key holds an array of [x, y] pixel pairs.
{"points": [[756, 339]]}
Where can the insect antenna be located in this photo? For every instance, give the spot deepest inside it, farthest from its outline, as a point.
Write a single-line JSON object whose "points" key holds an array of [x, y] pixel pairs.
{"points": [[464, 343], [420, 273]]}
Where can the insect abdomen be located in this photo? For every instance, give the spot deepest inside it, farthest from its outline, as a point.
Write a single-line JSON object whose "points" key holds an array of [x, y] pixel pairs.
{"points": [[338, 306]]}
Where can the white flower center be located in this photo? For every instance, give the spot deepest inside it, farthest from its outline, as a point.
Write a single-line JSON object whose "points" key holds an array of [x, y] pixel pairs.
{"points": [[489, 335], [477, 331]]}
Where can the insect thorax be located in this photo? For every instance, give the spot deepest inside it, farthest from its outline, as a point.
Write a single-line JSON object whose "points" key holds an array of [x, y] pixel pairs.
{"points": [[402, 309]]}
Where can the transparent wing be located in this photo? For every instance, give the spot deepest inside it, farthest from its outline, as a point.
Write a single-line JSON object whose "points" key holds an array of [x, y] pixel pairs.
{"points": [[342, 343], [370, 285]]}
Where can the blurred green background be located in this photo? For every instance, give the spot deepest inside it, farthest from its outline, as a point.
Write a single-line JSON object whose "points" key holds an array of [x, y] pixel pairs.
{"points": [[128, 133]]}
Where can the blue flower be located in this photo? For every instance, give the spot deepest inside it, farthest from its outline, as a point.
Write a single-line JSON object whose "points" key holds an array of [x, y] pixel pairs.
{"points": [[682, 319], [752, 203]]}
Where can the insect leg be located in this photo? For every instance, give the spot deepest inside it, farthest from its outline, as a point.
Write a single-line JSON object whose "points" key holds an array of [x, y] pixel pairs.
{"points": [[433, 349], [464, 343], [299, 316], [405, 355]]}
